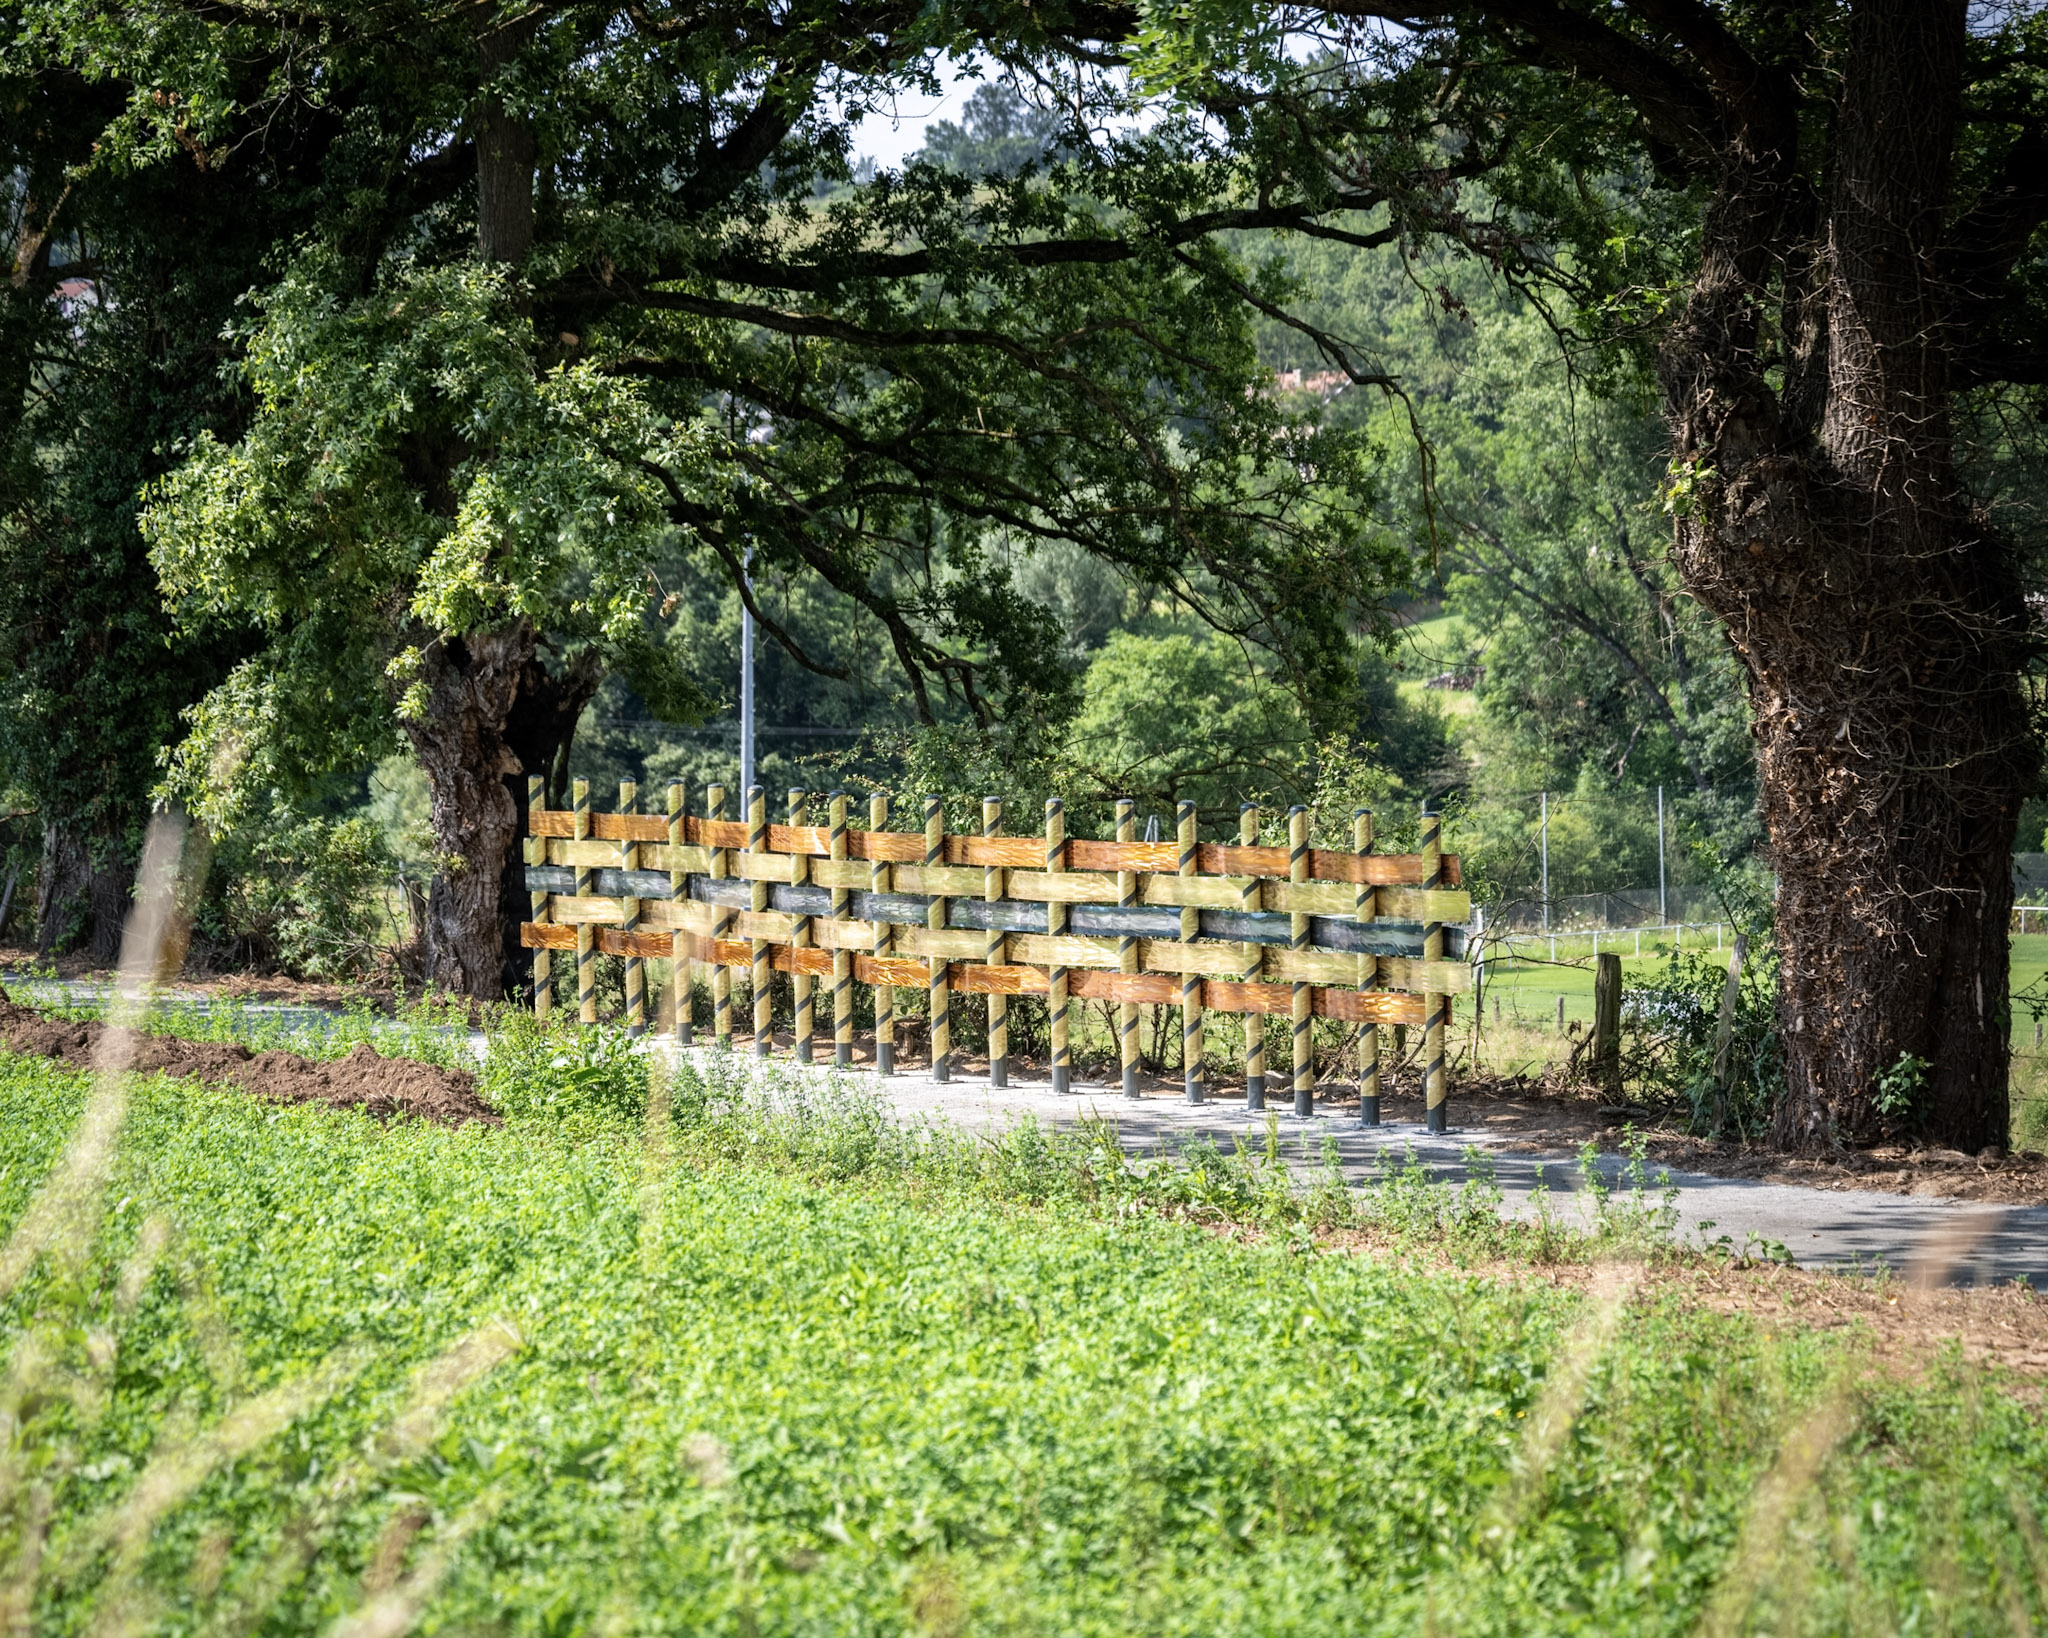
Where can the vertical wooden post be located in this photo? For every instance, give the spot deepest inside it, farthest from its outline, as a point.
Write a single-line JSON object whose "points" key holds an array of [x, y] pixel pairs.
{"points": [[1056, 926], [800, 987], [1435, 1008], [935, 919], [1254, 1021], [679, 963], [842, 957], [1607, 1022], [721, 927], [586, 935], [1365, 911], [537, 854], [885, 994], [1297, 928], [629, 919], [1127, 949], [757, 899], [992, 879], [1191, 1044]]}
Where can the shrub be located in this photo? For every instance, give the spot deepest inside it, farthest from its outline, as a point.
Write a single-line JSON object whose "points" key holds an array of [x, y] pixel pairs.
{"points": [[304, 894], [556, 1069]]}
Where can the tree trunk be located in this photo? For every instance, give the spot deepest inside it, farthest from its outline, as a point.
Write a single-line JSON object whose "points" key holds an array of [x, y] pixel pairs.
{"points": [[493, 711], [82, 896], [1881, 625], [505, 157]]}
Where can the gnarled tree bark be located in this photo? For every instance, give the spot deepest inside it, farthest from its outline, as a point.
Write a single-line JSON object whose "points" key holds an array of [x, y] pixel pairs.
{"points": [[1880, 622], [494, 713]]}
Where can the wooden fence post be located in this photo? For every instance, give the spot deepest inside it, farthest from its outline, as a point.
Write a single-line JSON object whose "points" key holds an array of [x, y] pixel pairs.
{"points": [[680, 966], [1127, 949], [537, 854], [1435, 1006], [878, 883], [842, 957], [992, 886], [629, 919], [1250, 898], [1304, 994], [1191, 1044], [935, 921], [721, 926], [757, 901], [1607, 1021], [800, 987], [1365, 910], [586, 935], [1118, 964], [1056, 927]]}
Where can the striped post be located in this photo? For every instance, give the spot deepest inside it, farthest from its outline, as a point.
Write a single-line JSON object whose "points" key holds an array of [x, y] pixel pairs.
{"points": [[800, 986], [1190, 982], [1297, 928], [935, 919], [885, 995], [992, 886], [1366, 910], [842, 958], [586, 935], [1056, 926], [536, 854], [1435, 1008], [1254, 1022], [679, 964], [721, 927], [629, 918], [757, 901], [1127, 949]]}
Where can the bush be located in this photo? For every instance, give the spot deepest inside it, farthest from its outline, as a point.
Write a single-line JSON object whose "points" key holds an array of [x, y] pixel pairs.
{"points": [[303, 894], [556, 1069], [1670, 1024]]}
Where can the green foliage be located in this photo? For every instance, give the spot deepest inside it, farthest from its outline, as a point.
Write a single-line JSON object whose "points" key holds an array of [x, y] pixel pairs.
{"points": [[557, 1383], [558, 1071], [303, 893], [1899, 1089], [1671, 1023]]}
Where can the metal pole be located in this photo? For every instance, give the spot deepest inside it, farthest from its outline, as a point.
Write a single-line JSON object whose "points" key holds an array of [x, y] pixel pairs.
{"points": [[747, 678], [1663, 907], [1546, 860]]}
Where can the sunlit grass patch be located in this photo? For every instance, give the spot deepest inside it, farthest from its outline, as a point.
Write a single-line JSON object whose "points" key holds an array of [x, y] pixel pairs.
{"points": [[718, 1363]]}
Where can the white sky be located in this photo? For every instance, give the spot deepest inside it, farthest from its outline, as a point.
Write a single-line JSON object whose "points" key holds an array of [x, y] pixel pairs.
{"points": [[890, 141]]}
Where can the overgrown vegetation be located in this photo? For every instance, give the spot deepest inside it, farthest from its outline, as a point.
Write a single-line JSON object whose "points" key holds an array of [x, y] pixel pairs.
{"points": [[775, 1367]]}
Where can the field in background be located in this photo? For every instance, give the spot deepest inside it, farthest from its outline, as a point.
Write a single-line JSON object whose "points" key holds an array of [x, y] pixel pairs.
{"points": [[1525, 994]]}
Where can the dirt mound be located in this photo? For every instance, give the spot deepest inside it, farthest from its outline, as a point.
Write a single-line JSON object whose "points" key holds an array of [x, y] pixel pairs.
{"points": [[381, 1087]]}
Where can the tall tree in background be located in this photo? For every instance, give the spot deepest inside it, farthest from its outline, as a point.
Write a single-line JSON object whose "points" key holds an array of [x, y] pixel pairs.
{"points": [[120, 281]]}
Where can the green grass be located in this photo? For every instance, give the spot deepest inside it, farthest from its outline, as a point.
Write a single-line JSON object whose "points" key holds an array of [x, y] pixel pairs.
{"points": [[779, 1370]]}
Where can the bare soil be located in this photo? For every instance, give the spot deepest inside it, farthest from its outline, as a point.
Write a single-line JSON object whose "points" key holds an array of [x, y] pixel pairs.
{"points": [[1907, 1323], [383, 1088]]}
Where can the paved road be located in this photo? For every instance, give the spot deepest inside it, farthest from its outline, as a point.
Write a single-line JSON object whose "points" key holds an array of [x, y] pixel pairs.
{"points": [[1958, 1241]]}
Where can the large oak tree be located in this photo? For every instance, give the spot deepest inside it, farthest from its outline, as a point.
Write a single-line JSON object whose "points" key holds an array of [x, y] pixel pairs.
{"points": [[1820, 225]]}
